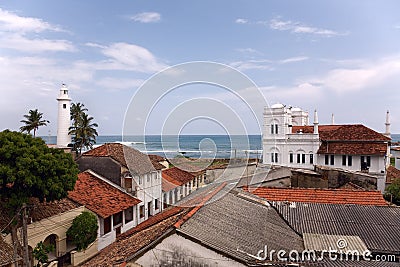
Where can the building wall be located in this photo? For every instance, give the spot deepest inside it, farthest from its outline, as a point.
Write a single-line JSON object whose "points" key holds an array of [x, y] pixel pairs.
{"points": [[175, 250], [105, 166], [63, 120], [377, 163], [396, 155], [148, 188]]}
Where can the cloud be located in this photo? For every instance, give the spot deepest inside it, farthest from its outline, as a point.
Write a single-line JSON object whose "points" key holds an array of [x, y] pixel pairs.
{"points": [[241, 21], [12, 22], [252, 65], [21, 43], [15, 31], [248, 50], [298, 27], [146, 17], [119, 83], [292, 59], [130, 57]]}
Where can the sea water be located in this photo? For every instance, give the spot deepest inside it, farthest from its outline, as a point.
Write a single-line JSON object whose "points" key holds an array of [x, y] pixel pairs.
{"points": [[194, 146]]}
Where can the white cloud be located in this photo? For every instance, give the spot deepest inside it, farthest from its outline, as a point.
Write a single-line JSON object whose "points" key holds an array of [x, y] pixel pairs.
{"points": [[12, 22], [248, 50], [119, 83], [292, 59], [252, 65], [24, 44], [15, 31], [147, 17], [241, 21], [130, 57], [297, 27]]}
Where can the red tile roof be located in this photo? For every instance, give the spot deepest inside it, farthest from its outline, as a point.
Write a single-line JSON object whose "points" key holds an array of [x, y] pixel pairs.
{"points": [[127, 156], [351, 139], [6, 253], [130, 242], [99, 196], [353, 148], [40, 210], [322, 196], [349, 132], [392, 173], [174, 177]]}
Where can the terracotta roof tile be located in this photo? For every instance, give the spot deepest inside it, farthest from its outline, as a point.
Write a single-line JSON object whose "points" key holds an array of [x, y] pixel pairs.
{"points": [[156, 158], [130, 242], [127, 156], [322, 196], [99, 196], [41, 210], [351, 139], [344, 132], [392, 173], [353, 148], [176, 176], [6, 253]]}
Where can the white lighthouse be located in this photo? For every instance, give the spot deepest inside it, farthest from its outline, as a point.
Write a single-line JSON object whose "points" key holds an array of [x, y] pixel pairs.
{"points": [[63, 122]]}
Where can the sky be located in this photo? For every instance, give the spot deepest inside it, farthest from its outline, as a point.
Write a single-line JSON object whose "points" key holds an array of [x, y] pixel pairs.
{"points": [[340, 57]]}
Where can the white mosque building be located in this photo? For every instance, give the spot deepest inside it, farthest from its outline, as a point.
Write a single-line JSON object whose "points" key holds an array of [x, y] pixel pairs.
{"points": [[289, 140]]}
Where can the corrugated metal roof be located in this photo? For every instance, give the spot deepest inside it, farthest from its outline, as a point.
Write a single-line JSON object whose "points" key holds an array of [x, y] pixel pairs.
{"points": [[378, 227], [344, 243], [236, 226]]}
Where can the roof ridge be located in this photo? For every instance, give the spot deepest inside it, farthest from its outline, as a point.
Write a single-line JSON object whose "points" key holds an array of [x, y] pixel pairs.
{"points": [[179, 223]]}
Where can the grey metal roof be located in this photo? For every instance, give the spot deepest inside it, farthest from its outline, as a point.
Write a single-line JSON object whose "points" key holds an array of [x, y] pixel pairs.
{"points": [[323, 242], [237, 226], [378, 227]]}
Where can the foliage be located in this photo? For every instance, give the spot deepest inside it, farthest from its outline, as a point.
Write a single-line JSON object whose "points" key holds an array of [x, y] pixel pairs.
{"points": [[28, 168], [77, 110], [393, 192], [40, 253], [83, 130], [83, 230], [32, 122]]}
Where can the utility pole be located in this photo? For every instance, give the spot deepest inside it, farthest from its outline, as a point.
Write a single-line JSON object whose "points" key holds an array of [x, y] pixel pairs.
{"points": [[25, 236]]}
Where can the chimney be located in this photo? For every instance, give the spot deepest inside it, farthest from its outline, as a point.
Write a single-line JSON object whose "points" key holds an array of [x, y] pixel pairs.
{"points": [[333, 119]]}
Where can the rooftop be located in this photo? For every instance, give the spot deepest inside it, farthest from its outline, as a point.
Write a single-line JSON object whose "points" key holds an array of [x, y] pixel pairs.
{"points": [[127, 156], [6, 253], [237, 225], [327, 196], [377, 226], [174, 177], [100, 196], [343, 132], [133, 241], [392, 173]]}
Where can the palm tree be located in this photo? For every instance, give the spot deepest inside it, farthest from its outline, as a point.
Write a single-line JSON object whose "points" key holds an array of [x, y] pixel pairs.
{"points": [[77, 109], [83, 133], [33, 122]]}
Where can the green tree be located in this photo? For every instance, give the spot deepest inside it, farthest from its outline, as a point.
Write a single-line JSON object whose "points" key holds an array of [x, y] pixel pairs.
{"points": [[77, 110], [33, 121], [83, 133], [40, 253], [393, 192], [83, 230], [28, 168]]}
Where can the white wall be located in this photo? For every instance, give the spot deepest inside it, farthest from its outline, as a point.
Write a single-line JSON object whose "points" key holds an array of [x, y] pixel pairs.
{"points": [[189, 251]]}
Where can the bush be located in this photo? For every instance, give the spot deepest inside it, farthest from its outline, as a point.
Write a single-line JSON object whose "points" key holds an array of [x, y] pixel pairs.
{"points": [[83, 230]]}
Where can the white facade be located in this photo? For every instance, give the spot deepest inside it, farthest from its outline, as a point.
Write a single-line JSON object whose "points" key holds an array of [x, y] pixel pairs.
{"points": [[63, 121], [299, 149], [180, 250], [280, 146], [148, 190]]}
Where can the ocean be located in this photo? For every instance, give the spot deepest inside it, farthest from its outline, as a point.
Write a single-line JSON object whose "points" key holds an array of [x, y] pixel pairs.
{"points": [[194, 146]]}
